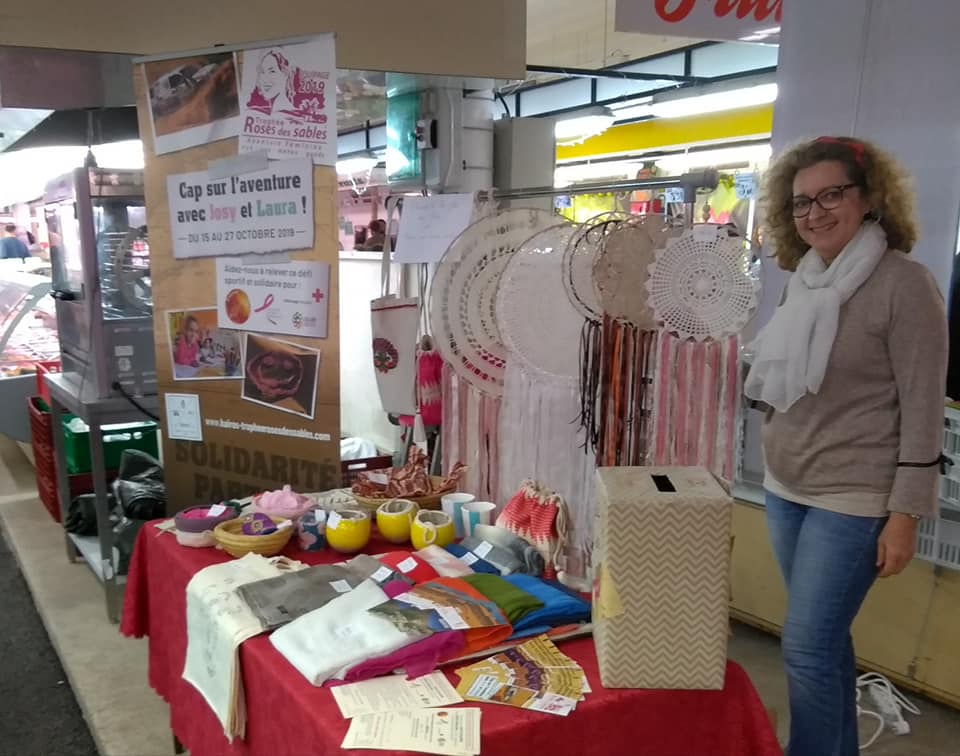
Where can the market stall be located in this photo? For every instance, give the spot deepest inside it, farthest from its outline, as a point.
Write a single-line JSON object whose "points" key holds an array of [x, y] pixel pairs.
{"points": [[287, 715]]}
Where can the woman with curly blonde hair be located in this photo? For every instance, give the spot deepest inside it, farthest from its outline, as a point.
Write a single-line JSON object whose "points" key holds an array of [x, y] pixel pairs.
{"points": [[852, 367]]}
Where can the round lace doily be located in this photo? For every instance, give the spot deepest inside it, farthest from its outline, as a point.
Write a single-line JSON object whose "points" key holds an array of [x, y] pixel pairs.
{"points": [[622, 268], [578, 261], [538, 322], [464, 291], [703, 285]]}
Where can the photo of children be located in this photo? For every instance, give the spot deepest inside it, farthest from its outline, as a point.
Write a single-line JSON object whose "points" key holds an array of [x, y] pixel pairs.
{"points": [[280, 375], [199, 349]]}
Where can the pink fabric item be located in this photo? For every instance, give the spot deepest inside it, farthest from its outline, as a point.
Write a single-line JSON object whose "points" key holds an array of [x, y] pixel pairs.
{"points": [[417, 659], [395, 588], [282, 501], [429, 391], [196, 514]]}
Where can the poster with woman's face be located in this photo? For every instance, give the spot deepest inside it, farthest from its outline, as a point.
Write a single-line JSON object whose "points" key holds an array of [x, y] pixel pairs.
{"points": [[288, 100]]}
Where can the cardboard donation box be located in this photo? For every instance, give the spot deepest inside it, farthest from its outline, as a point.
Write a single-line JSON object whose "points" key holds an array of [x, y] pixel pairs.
{"points": [[661, 575]]}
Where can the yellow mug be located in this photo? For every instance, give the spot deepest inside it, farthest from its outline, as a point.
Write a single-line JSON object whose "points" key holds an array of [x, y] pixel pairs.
{"points": [[348, 530], [432, 528], [394, 519]]}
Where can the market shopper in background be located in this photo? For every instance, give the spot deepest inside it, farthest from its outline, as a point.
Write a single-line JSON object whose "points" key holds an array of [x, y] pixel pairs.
{"points": [[11, 247], [852, 367]]}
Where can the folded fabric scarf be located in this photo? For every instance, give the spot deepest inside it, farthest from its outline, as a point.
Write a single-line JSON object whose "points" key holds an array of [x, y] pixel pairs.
{"points": [[282, 599], [394, 588], [514, 602], [411, 566], [503, 559], [334, 638], [374, 568], [526, 552], [445, 563], [427, 607], [473, 561], [417, 659], [560, 607]]}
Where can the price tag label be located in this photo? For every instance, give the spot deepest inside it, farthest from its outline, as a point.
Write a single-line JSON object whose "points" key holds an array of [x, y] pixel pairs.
{"points": [[470, 558], [674, 194], [216, 510], [382, 574], [407, 565], [333, 520], [745, 185], [341, 586], [320, 515], [483, 549], [452, 618]]}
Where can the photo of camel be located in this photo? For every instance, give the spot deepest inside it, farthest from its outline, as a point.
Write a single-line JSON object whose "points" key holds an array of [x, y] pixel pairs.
{"points": [[192, 100]]}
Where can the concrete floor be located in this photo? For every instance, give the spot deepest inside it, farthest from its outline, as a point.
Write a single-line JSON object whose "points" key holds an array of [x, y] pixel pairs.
{"points": [[126, 718]]}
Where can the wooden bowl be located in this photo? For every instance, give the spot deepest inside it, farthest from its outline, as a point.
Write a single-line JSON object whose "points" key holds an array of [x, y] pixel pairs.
{"points": [[230, 538]]}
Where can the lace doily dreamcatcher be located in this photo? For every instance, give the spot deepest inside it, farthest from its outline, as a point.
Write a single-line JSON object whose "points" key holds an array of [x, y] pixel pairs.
{"points": [[622, 267], [704, 284], [579, 258], [537, 321], [464, 290]]}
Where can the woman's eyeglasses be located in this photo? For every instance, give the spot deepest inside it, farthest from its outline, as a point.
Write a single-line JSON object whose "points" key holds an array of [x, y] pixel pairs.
{"points": [[828, 199]]}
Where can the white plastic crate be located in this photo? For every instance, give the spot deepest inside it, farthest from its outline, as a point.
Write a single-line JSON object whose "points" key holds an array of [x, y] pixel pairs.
{"points": [[938, 541]]}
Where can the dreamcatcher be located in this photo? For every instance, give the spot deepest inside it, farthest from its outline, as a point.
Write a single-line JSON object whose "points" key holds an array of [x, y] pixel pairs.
{"points": [[463, 322], [540, 437], [703, 288]]}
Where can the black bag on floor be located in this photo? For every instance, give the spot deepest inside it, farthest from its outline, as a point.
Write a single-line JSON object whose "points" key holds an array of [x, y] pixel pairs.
{"points": [[139, 488], [82, 516]]}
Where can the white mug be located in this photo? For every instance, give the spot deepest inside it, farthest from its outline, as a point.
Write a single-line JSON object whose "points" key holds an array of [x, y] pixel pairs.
{"points": [[452, 504], [476, 513]]}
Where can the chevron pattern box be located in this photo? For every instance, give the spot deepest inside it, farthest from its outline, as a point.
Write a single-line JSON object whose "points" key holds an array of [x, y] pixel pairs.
{"points": [[661, 577]]}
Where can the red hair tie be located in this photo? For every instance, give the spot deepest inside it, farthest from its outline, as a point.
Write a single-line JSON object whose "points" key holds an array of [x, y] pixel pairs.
{"points": [[851, 144]]}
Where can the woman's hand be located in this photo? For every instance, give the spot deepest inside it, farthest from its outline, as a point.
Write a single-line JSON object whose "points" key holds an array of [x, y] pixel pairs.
{"points": [[897, 544]]}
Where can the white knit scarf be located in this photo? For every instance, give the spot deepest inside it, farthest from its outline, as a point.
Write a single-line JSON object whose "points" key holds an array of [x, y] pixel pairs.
{"points": [[790, 353]]}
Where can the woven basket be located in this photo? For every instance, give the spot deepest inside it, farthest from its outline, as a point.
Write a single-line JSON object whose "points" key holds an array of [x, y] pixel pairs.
{"points": [[230, 538], [424, 502]]}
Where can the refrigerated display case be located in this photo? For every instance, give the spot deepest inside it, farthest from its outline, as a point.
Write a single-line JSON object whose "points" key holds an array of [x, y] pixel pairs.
{"points": [[28, 335], [100, 255]]}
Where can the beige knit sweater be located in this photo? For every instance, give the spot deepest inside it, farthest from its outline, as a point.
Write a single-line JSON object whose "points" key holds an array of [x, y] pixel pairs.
{"points": [[880, 405]]}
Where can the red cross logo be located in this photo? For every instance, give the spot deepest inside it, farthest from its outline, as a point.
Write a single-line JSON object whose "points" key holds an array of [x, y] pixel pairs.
{"points": [[317, 295]]}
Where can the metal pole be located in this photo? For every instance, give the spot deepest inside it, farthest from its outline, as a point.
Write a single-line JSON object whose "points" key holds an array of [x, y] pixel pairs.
{"points": [[706, 179]]}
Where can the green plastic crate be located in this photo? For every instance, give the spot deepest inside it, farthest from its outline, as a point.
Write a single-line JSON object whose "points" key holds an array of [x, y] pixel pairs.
{"points": [[116, 438]]}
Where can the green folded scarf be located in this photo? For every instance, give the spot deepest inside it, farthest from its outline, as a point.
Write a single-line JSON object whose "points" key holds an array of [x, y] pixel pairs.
{"points": [[513, 602]]}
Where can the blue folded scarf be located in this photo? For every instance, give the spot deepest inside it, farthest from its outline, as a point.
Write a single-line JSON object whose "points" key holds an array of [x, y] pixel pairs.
{"points": [[480, 565], [559, 606]]}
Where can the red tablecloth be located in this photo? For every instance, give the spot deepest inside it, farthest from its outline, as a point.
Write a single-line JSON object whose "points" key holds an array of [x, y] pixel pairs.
{"points": [[286, 716]]}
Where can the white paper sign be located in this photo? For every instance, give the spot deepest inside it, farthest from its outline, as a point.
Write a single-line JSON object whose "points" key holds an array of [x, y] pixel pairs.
{"points": [[183, 417], [216, 509], [341, 586], [266, 211], [428, 225], [674, 194], [288, 100], [333, 521], [287, 298], [407, 565], [469, 558], [382, 574]]}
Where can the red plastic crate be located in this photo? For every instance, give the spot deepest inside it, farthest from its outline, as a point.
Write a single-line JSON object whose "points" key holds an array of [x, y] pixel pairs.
{"points": [[41, 432], [51, 366]]}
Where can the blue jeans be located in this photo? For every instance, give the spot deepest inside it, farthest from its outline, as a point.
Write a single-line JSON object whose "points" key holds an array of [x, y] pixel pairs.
{"points": [[828, 561]]}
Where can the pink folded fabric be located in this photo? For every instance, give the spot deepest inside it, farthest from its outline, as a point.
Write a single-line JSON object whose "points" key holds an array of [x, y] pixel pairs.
{"points": [[396, 587], [417, 659]]}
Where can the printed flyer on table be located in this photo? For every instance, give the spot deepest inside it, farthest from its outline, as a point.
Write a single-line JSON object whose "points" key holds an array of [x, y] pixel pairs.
{"points": [[264, 211]]}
